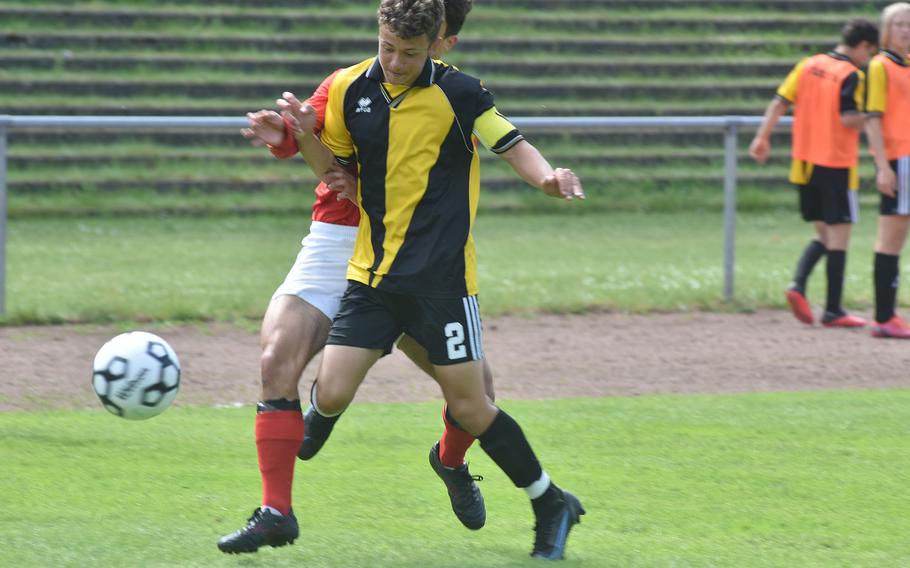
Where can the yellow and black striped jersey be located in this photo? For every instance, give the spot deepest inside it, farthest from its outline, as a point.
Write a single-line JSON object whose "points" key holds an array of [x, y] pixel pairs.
{"points": [[418, 173]]}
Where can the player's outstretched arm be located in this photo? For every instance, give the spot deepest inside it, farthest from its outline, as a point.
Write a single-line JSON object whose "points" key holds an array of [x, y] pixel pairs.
{"points": [[760, 148], [532, 167]]}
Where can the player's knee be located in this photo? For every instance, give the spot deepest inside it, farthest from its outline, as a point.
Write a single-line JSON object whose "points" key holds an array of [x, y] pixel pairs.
{"points": [[471, 414], [276, 370], [332, 398]]}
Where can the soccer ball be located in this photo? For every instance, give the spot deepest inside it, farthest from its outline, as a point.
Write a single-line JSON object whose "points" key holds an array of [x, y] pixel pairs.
{"points": [[136, 375]]}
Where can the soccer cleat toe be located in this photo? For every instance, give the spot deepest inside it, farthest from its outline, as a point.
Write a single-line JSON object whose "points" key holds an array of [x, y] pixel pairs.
{"points": [[551, 531], [263, 528], [842, 320], [800, 307], [895, 328], [467, 501]]}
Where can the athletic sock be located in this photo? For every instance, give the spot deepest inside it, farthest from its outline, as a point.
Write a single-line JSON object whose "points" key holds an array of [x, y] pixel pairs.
{"points": [[506, 445], [546, 500], [811, 255], [279, 433], [454, 442], [887, 278], [837, 261]]}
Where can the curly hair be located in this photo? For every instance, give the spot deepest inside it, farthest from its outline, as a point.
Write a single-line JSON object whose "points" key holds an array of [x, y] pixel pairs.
{"points": [[408, 19]]}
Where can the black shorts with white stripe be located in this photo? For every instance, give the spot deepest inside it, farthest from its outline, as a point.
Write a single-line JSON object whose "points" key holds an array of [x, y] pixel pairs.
{"points": [[450, 329], [900, 203], [828, 197]]}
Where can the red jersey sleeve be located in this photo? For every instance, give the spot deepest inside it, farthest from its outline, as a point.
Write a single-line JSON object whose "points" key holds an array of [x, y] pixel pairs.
{"points": [[318, 100]]}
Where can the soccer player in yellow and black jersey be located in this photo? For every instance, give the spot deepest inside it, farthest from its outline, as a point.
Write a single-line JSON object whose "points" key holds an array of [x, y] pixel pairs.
{"points": [[888, 132], [407, 123], [828, 93]]}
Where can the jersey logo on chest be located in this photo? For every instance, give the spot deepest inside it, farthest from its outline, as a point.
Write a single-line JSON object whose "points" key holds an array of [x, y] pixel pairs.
{"points": [[363, 105]]}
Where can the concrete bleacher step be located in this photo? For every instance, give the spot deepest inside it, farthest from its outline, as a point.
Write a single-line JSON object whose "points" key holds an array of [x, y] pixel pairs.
{"points": [[711, 138], [509, 108], [213, 185], [506, 91], [365, 22], [607, 5], [364, 47], [55, 161], [773, 68]]}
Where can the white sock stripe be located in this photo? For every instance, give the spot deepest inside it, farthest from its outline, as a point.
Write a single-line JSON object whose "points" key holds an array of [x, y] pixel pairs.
{"points": [[539, 487], [470, 321], [479, 326]]}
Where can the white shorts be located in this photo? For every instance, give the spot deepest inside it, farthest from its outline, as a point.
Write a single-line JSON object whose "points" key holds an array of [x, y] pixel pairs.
{"points": [[318, 276]]}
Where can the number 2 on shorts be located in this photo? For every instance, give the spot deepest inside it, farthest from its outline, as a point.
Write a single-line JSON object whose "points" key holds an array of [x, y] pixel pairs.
{"points": [[455, 344]]}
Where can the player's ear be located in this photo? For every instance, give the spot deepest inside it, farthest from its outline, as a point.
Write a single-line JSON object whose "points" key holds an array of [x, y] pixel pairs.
{"points": [[437, 48]]}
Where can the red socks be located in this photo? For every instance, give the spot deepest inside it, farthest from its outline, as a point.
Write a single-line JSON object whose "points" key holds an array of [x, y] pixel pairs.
{"points": [[453, 444], [279, 434]]}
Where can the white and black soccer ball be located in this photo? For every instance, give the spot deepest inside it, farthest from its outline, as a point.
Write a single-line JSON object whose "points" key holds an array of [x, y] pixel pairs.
{"points": [[136, 375]]}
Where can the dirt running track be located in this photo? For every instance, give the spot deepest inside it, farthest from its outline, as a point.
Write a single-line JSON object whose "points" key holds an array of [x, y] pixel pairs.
{"points": [[546, 356]]}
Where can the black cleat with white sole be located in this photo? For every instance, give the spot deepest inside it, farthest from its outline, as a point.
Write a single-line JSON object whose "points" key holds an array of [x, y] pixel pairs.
{"points": [[467, 501], [264, 528]]}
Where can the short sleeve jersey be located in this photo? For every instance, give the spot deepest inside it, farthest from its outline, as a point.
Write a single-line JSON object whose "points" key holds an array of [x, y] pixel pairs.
{"points": [[418, 173]]}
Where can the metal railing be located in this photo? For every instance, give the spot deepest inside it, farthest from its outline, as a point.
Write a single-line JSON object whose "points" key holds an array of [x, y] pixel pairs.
{"points": [[729, 125]]}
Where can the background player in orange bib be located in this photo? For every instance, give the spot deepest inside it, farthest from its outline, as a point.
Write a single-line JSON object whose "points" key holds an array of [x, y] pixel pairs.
{"points": [[888, 132], [827, 91]]}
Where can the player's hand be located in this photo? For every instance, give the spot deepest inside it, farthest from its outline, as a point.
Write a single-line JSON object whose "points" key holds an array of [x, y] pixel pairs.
{"points": [[300, 116], [266, 127], [563, 183], [341, 182], [886, 181], [760, 149]]}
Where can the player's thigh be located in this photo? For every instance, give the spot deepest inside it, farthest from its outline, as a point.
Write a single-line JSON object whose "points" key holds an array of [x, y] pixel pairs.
{"points": [[419, 356], [293, 331], [488, 379], [366, 327], [342, 370], [416, 352]]}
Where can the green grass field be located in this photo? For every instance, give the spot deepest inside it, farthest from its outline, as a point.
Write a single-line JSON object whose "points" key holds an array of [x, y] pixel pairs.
{"points": [[187, 268], [809, 479]]}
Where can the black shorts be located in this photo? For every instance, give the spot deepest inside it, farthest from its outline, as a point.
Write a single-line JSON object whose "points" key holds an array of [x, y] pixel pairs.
{"points": [[900, 204], [828, 197], [448, 328]]}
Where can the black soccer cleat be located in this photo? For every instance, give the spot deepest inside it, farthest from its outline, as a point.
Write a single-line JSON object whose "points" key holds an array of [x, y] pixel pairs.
{"points": [[467, 501], [553, 524], [263, 528], [316, 430]]}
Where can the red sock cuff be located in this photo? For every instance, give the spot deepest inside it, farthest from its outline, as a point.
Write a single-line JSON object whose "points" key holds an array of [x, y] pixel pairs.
{"points": [[280, 425]]}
